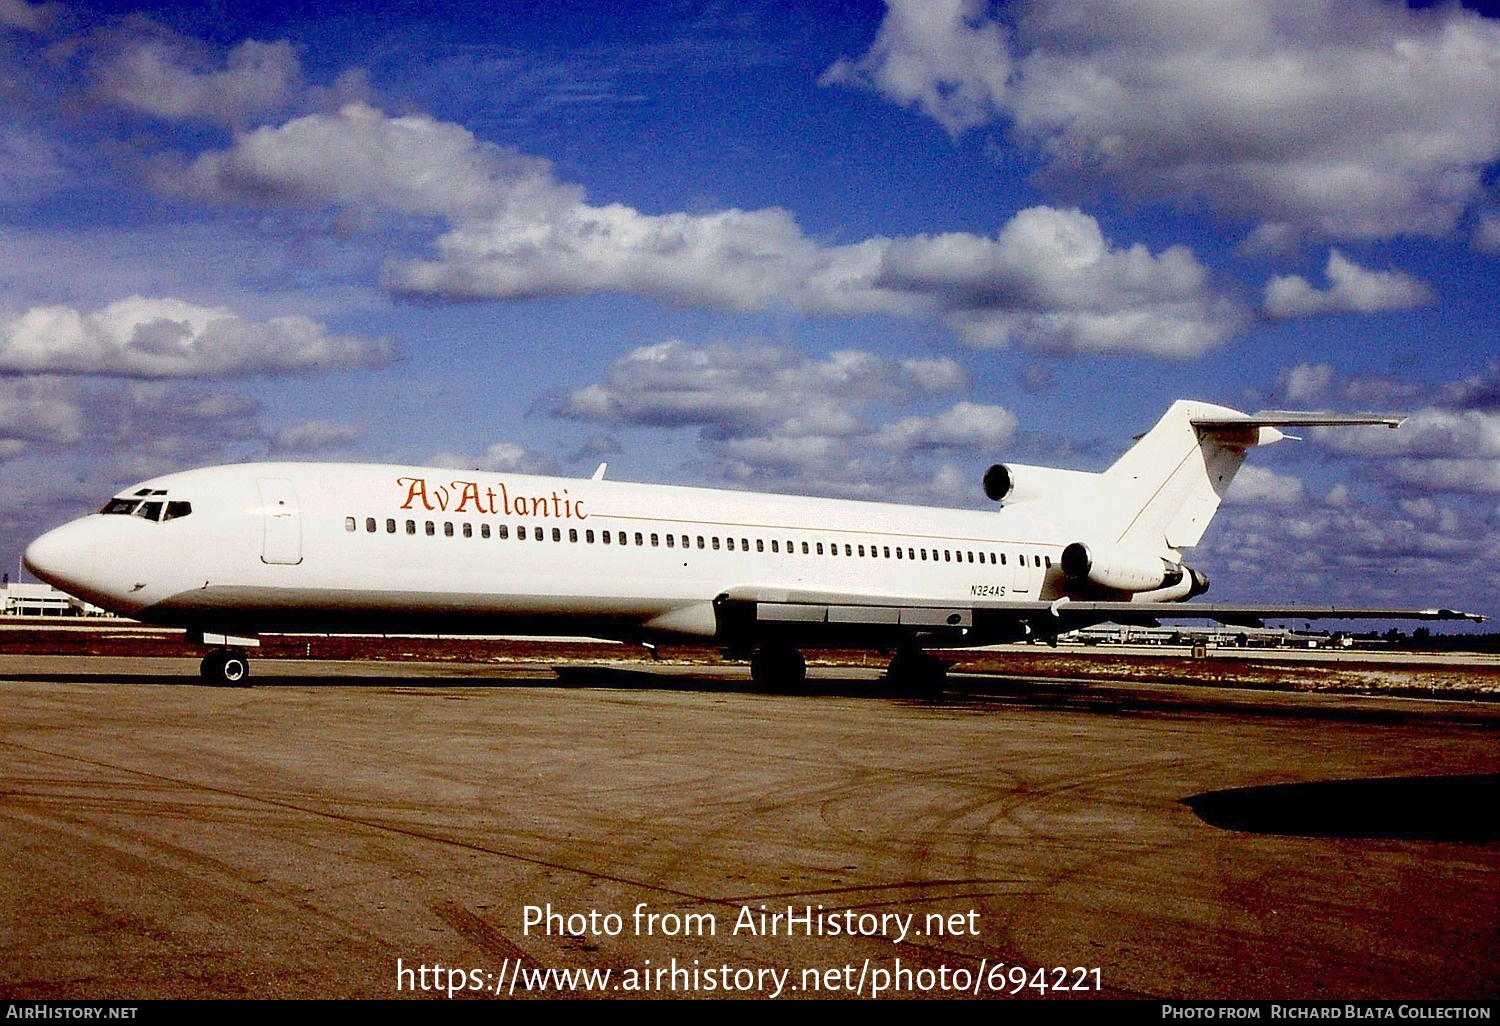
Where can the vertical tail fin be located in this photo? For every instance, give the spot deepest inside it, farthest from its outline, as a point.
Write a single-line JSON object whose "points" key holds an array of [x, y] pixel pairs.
{"points": [[1164, 491]]}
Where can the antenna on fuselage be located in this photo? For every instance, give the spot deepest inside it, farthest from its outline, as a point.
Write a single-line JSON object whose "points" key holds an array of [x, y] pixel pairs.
{"points": [[599, 474]]}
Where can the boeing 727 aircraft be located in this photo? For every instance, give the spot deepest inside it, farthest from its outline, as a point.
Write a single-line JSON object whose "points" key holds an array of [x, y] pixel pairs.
{"points": [[232, 552]]}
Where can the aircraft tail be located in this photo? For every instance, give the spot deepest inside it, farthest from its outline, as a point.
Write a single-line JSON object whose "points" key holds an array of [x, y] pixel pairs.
{"points": [[1163, 492]]}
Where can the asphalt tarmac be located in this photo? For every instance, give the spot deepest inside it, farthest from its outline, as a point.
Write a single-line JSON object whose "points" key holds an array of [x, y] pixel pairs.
{"points": [[338, 830]]}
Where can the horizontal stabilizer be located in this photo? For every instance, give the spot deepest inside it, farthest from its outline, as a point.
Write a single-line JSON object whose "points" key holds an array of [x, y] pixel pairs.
{"points": [[1295, 418]]}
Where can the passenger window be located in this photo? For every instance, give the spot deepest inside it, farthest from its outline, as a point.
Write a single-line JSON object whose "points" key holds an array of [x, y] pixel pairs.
{"points": [[716, 543], [700, 541], [804, 548], [573, 535], [348, 523], [502, 531], [898, 552], [671, 539], [448, 528], [820, 549], [924, 555], [638, 539], [468, 530], [744, 544], [484, 530], [429, 528], [588, 536], [176, 510], [521, 532], [557, 534], [760, 544], [370, 525], [1002, 559], [540, 534], [1049, 562], [411, 527], [655, 540], [774, 546], [729, 542], [606, 537], [390, 526], [861, 550]]}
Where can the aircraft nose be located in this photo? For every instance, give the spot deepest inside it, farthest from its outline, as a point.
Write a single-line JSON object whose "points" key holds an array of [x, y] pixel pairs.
{"points": [[64, 557]]}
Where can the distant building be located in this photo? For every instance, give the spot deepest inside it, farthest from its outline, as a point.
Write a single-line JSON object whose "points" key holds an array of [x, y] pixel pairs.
{"points": [[42, 600]]}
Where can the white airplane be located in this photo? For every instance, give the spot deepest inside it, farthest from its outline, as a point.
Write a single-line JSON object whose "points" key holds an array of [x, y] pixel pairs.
{"points": [[235, 551]]}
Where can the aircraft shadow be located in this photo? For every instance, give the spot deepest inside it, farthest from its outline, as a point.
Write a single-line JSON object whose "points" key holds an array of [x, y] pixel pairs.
{"points": [[1449, 808]]}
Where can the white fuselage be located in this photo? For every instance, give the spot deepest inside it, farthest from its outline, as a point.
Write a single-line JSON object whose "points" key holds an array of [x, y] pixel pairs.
{"points": [[286, 546]]}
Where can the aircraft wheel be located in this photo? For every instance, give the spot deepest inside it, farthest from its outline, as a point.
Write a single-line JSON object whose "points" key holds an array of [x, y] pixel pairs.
{"points": [[225, 667], [774, 667], [912, 668]]}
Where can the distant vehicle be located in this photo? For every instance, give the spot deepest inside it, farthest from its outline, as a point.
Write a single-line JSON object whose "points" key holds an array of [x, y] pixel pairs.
{"points": [[231, 552]]}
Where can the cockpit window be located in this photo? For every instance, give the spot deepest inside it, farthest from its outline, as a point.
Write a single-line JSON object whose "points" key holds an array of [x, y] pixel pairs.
{"points": [[149, 509]]}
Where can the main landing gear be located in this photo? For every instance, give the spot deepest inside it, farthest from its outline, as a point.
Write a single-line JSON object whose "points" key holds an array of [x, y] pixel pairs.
{"points": [[225, 666], [778, 668], [915, 670]]}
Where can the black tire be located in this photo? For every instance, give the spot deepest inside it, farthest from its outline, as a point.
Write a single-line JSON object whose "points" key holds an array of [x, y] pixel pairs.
{"points": [[225, 668], [778, 669]]}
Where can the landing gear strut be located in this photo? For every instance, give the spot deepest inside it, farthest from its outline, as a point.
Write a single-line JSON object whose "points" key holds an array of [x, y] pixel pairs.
{"points": [[225, 666], [778, 667]]}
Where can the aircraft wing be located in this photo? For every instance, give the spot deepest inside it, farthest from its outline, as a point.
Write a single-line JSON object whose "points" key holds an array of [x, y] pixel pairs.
{"points": [[813, 613]]}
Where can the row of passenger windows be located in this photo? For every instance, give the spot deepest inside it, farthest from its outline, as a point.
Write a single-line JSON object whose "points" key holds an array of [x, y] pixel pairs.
{"points": [[710, 542]]}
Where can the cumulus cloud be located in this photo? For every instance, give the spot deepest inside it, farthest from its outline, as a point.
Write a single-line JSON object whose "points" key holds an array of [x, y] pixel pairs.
{"points": [[160, 73], [1351, 289], [1306, 382], [943, 57], [312, 436], [1048, 279], [1254, 484], [774, 418], [1348, 118], [29, 17], [169, 338], [1357, 553], [499, 458], [1487, 233], [143, 427], [1434, 433]]}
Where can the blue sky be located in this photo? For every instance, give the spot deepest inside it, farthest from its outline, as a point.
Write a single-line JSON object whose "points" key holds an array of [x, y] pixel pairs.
{"points": [[841, 248]]}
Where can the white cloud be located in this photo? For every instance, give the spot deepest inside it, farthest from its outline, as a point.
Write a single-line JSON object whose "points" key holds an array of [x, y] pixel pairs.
{"points": [[776, 419], [943, 57], [157, 72], [1345, 117], [28, 17], [1306, 382], [312, 436], [360, 156], [499, 458], [1352, 289], [1432, 433], [168, 338], [1049, 279], [1487, 233], [1254, 484]]}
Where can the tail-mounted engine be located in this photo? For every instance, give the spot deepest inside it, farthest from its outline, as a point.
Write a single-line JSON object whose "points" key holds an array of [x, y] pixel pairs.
{"points": [[1123, 570]]}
